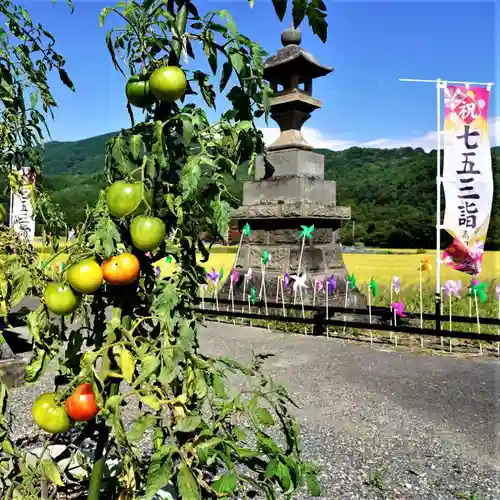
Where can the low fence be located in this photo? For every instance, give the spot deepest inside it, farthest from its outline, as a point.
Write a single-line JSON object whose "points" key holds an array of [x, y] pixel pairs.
{"points": [[378, 319]]}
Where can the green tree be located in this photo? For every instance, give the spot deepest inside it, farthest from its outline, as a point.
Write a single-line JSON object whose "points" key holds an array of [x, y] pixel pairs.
{"points": [[208, 439]]}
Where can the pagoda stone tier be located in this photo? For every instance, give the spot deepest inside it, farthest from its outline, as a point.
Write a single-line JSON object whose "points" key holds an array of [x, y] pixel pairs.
{"points": [[292, 192]]}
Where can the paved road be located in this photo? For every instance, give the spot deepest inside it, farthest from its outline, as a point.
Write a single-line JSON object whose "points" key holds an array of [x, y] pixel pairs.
{"points": [[426, 425], [381, 424]]}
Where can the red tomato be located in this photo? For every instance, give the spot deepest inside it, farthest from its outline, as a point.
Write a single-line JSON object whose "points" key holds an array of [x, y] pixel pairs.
{"points": [[81, 404]]}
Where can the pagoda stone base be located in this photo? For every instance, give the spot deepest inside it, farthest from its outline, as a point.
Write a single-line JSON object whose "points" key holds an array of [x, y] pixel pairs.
{"points": [[321, 258]]}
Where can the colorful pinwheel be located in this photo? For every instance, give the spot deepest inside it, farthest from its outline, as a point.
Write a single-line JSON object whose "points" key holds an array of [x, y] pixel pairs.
{"points": [[424, 264], [299, 282], [169, 259], [248, 274], [396, 284], [246, 230], [374, 287], [234, 276], [332, 284], [452, 288], [307, 232], [148, 254], [157, 271], [477, 289], [351, 279], [286, 280], [265, 257], [213, 276], [399, 309], [252, 296], [319, 284]]}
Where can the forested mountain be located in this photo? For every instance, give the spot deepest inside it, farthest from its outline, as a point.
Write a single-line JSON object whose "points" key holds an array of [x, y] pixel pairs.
{"points": [[391, 191]]}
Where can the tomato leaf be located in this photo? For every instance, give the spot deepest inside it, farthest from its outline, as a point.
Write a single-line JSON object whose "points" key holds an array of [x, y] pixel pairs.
{"points": [[52, 471], [225, 484], [186, 484], [135, 146], [313, 485], [140, 426], [188, 423], [264, 417], [152, 401], [149, 364], [127, 365], [280, 8], [160, 471]]}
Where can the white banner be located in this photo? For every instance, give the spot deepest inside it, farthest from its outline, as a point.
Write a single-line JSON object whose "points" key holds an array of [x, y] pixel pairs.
{"points": [[467, 176], [21, 210]]}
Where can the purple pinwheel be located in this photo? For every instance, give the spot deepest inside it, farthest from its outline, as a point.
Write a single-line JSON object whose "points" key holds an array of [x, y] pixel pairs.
{"points": [[213, 276], [234, 276], [157, 271], [319, 284], [396, 284], [286, 280], [332, 284], [452, 288], [399, 309], [497, 289]]}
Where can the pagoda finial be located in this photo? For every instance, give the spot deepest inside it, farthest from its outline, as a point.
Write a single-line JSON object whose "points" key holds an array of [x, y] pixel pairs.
{"points": [[291, 36]]}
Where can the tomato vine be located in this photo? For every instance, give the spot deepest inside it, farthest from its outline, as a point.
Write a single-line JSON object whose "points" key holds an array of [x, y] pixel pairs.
{"points": [[136, 343]]}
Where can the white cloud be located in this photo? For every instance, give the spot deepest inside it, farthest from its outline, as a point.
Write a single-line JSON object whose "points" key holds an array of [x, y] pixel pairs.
{"points": [[426, 141]]}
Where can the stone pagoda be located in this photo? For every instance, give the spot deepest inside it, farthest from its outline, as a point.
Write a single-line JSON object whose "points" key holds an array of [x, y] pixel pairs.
{"points": [[289, 190]]}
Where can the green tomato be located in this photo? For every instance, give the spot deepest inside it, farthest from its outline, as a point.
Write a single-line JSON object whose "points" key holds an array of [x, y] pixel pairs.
{"points": [[61, 299], [50, 415], [127, 199], [147, 233], [138, 93], [168, 84], [85, 276]]}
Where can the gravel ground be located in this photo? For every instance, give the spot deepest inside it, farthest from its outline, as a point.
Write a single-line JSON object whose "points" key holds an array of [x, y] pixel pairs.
{"points": [[382, 425]]}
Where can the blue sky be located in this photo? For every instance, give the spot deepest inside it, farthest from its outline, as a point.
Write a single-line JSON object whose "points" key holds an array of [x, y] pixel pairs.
{"points": [[370, 45]]}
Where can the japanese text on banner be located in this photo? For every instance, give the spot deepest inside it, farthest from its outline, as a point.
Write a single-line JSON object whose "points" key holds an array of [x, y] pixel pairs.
{"points": [[467, 176]]}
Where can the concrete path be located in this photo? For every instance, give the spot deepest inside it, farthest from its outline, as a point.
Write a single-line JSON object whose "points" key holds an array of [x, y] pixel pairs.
{"points": [[384, 424]]}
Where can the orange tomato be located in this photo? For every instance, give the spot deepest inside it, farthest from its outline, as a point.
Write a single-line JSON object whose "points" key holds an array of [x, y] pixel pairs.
{"points": [[81, 404], [121, 269]]}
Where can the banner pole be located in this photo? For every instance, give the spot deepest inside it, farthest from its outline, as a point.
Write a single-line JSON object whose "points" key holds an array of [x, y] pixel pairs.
{"points": [[437, 297]]}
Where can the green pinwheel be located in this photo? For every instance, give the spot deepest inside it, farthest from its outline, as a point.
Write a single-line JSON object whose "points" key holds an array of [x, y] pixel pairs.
{"points": [[252, 296], [477, 289], [221, 274], [373, 287], [246, 230], [265, 257], [351, 279], [169, 259], [307, 232]]}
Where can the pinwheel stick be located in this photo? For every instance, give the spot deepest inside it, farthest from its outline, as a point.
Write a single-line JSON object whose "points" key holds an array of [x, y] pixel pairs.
{"points": [[326, 304], [477, 317], [370, 303], [451, 305], [202, 293], [282, 295], [345, 303]]}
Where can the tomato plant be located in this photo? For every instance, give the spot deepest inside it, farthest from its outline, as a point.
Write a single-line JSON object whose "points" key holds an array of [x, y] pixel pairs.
{"points": [[81, 405], [49, 414], [146, 350]]}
